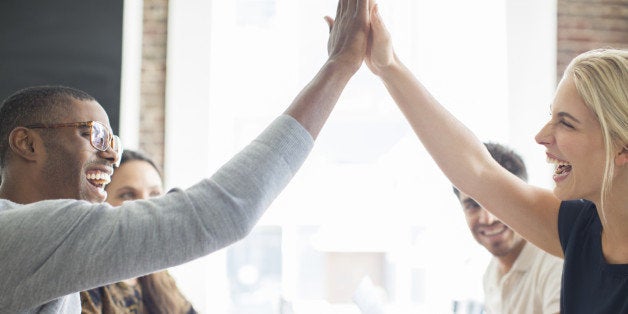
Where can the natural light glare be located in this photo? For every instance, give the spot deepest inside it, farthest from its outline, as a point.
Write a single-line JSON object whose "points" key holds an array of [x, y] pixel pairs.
{"points": [[369, 201]]}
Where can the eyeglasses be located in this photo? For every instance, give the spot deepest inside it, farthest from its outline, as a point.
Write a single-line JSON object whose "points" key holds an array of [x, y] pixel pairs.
{"points": [[99, 135]]}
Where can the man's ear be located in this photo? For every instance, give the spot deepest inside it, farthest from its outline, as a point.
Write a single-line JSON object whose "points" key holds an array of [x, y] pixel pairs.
{"points": [[622, 158], [24, 143]]}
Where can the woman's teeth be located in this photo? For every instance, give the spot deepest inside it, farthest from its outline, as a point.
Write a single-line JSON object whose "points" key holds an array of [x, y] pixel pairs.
{"points": [[561, 166], [562, 169]]}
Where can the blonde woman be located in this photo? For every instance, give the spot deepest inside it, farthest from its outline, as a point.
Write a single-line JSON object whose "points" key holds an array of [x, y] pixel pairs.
{"points": [[585, 219], [136, 178]]}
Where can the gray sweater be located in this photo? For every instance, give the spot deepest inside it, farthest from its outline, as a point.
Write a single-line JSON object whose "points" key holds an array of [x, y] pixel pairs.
{"points": [[52, 249]]}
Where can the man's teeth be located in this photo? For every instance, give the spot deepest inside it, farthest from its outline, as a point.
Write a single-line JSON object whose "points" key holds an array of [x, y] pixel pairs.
{"points": [[100, 177], [493, 231]]}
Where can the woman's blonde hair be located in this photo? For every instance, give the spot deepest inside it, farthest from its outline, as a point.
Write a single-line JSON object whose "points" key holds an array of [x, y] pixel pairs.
{"points": [[601, 78]]}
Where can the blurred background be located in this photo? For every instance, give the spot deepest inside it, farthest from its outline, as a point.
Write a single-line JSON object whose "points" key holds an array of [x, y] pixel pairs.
{"points": [[369, 220]]}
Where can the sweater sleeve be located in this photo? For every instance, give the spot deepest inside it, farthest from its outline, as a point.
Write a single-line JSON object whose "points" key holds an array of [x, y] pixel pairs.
{"points": [[53, 248]]}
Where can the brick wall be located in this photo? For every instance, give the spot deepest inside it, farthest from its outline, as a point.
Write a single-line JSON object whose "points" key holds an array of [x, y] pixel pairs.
{"points": [[587, 24], [153, 79]]}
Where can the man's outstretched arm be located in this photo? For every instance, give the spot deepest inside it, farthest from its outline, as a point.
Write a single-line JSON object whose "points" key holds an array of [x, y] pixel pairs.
{"points": [[54, 248], [347, 43]]}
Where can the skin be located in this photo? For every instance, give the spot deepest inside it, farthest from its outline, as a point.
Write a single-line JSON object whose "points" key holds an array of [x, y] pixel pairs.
{"points": [[135, 179], [348, 37], [66, 160], [503, 243], [531, 211], [574, 135]]}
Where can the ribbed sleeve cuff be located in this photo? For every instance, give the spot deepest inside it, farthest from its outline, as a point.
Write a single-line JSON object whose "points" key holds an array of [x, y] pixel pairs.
{"points": [[289, 138]]}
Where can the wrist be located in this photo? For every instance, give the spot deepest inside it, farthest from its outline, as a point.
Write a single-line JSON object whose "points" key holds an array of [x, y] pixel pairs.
{"points": [[393, 67], [342, 68]]}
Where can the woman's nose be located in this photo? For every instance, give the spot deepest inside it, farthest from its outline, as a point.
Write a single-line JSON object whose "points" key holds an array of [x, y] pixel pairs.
{"points": [[544, 135]]}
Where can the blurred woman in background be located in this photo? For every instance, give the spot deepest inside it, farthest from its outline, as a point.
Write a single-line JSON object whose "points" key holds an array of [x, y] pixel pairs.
{"points": [[136, 178]]}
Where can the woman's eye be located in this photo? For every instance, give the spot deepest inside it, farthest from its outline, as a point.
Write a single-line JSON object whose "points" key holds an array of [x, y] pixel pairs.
{"points": [[567, 124], [127, 196]]}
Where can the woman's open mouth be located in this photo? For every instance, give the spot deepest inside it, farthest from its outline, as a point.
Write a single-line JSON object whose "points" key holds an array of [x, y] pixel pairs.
{"points": [[561, 170]]}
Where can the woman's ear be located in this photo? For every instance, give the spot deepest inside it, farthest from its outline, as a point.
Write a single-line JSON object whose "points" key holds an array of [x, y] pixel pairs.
{"points": [[23, 143], [622, 158]]}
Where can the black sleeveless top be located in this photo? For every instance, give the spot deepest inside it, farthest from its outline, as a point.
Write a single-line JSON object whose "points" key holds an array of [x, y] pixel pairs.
{"points": [[590, 284]]}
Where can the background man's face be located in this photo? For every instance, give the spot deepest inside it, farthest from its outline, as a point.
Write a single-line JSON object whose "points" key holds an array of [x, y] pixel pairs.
{"points": [[487, 230]]}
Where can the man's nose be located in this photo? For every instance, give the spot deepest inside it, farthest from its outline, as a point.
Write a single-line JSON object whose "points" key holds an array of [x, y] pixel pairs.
{"points": [[110, 155], [486, 217]]}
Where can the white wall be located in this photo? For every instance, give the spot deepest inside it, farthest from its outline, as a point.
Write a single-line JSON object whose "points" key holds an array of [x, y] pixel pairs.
{"points": [[188, 133], [131, 73], [531, 55]]}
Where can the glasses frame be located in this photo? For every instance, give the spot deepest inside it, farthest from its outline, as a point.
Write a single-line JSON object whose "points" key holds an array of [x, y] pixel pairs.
{"points": [[112, 141]]}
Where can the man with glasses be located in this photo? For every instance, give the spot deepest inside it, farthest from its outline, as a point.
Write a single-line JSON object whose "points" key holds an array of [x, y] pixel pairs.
{"points": [[57, 153]]}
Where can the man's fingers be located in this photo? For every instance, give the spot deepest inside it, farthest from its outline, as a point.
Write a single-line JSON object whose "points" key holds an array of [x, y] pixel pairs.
{"points": [[349, 7], [360, 7], [339, 8]]}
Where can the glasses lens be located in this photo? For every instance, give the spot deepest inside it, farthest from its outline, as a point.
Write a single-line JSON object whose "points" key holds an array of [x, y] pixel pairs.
{"points": [[99, 136]]}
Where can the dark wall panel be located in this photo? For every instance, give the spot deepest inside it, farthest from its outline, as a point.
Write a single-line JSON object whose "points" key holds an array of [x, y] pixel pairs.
{"points": [[76, 43]]}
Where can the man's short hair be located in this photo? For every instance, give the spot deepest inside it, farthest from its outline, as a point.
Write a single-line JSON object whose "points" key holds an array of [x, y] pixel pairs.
{"points": [[508, 159], [39, 104]]}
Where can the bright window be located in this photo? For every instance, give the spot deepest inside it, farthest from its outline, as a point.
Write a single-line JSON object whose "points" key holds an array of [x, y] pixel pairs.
{"points": [[369, 201]]}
